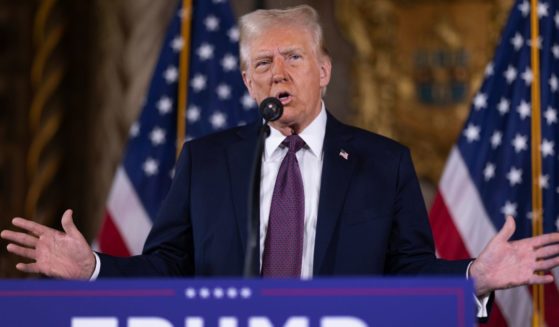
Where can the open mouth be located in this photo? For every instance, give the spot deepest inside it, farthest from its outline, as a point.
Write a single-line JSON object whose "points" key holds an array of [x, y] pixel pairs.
{"points": [[284, 97]]}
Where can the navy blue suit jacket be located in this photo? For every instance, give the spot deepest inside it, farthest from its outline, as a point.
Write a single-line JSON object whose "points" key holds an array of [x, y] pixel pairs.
{"points": [[371, 216]]}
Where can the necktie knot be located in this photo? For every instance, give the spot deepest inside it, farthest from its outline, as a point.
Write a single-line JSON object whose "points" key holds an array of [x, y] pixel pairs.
{"points": [[294, 143]]}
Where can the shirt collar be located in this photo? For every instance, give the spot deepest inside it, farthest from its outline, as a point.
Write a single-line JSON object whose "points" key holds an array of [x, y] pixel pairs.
{"points": [[313, 136]]}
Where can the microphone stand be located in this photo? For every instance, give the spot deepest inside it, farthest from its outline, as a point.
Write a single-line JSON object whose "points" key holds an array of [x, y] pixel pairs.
{"points": [[271, 109], [251, 268]]}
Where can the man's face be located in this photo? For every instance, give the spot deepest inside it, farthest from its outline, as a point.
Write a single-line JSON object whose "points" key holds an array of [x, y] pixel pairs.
{"points": [[284, 63]]}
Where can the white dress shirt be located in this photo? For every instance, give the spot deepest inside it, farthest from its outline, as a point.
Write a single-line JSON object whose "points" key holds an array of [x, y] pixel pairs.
{"points": [[310, 159]]}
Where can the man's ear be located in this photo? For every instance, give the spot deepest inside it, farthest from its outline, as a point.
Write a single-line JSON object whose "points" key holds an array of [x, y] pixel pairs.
{"points": [[325, 71], [247, 81]]}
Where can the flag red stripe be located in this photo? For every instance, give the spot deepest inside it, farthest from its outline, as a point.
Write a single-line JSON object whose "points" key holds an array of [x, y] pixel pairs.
{"points": [[448, 241], [450, 246], [551, 298], [496, 318], [110, 240]]}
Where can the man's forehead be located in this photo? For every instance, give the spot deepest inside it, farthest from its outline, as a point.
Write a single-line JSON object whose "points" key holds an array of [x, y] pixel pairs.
{"points": [[281, 49], [280, 40]]}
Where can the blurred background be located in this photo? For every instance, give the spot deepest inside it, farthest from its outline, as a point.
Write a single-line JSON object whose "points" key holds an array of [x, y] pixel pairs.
{"points": [[74, 75]]}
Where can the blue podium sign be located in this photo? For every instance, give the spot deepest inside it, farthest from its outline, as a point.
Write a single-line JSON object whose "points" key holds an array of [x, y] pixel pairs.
{"points": [[237, 303]]}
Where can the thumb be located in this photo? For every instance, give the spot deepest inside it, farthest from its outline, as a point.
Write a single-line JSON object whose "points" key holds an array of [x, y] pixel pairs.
{"points": [[68, 223], [508, 229]]}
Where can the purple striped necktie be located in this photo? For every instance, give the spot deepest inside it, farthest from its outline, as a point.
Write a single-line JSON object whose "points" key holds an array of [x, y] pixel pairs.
{"points": [[283, 248]]}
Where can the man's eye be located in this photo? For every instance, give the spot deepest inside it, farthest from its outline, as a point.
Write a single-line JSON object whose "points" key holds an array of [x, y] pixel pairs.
{"points": [[262, 63], [295, 56]]}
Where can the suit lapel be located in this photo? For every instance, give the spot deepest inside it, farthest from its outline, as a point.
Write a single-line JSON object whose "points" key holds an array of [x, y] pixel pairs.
{"points": [[337, 170], [240, 157]]}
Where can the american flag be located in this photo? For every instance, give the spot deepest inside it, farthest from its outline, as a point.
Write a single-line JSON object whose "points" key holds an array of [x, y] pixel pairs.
{"points": [[488, 173], [217, 99]]}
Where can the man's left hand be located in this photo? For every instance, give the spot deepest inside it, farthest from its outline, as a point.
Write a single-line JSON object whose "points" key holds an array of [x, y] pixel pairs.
{"points": [[505, 264]]}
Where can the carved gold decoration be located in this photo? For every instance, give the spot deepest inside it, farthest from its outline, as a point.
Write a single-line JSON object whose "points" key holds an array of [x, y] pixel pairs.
{"points": [[45, 115], [418, 65]]}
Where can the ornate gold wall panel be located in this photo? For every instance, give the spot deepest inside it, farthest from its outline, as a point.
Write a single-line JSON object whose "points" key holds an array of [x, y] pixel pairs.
{"points": [[418, 64], [67, 99], [15, 56], [46, 112]]}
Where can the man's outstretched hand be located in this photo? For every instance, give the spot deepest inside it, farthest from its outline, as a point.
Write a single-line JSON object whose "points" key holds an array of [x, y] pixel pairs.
{"points": [[503, 264], [52, 252]]}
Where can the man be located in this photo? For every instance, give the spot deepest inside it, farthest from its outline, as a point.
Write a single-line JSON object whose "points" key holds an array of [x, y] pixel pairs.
{"points": [[348, 202]]}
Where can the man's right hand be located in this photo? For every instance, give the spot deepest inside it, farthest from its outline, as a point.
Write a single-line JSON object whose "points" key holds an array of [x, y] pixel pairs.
{"points": [[53, 253]]}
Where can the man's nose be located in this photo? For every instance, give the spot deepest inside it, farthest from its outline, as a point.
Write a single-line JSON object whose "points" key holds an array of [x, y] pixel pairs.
{"points": [[278, 71]]}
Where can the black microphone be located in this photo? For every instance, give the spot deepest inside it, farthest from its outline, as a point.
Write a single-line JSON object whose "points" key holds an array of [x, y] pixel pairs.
{"points": [[271, 109]]}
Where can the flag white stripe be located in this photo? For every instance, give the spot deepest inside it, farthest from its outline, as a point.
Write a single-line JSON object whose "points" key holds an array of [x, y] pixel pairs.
{"points": [[516, 304], [129, 216], [473, 224], [465, 205]]}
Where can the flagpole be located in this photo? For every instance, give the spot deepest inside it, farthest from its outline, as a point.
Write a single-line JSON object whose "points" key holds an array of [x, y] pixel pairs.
{"points": [[183, 73], [537, 212]]}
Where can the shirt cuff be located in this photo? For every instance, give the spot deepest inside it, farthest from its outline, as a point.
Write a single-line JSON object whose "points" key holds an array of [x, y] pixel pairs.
{"points": [[97, 268], [481, 303]]}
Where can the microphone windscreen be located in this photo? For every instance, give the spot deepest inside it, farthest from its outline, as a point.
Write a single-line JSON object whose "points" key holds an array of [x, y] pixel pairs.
{"points": [[271, 109]]}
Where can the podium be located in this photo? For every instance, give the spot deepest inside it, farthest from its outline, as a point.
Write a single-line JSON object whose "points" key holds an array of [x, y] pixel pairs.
{"points": [[348, 302]]}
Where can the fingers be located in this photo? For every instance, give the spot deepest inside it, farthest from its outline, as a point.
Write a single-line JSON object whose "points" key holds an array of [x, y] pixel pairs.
{"points": [[508, 229], [31, 268], [31, 226], [547, 251], [547, 264], [68, 223], [541, 279], [22, 251], [544, 239], [20, 238]]}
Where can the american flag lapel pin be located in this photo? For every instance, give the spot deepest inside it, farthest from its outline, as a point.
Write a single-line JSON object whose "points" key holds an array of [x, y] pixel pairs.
{"points": [[344, 154]]}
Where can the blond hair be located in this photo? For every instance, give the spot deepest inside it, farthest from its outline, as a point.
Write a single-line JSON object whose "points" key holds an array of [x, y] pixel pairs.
{"points": [[253, 24]]}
